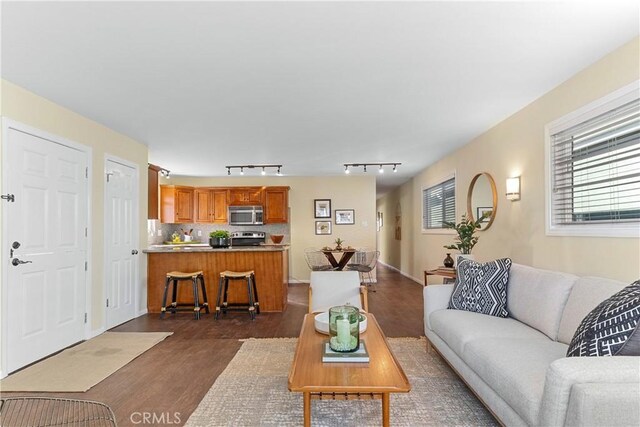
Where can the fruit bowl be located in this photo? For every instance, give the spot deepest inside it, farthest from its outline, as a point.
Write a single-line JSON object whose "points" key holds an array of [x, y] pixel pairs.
{"points": [[277, 238], [322, 322]]}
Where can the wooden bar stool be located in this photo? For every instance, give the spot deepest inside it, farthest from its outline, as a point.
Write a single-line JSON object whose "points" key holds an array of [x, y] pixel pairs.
{"points": [[175, 277], [223, 286]]}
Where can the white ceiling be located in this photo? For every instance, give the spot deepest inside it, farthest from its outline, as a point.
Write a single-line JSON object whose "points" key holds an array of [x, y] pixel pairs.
{"points": [[311, 85]]}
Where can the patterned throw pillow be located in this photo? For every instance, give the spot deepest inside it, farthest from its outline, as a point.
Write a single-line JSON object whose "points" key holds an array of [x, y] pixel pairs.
{"points": [[612, 328], [481, 287]]}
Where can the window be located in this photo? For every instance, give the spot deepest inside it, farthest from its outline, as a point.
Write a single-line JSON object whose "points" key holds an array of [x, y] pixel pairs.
{"points": [[439, 204], [594, 170]]}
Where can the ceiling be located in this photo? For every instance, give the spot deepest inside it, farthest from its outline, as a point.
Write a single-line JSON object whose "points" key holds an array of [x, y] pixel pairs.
{"points": [[310, 85]]}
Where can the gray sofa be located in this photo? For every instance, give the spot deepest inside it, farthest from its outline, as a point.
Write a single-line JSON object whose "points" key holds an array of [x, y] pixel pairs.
{"points": [[517, 365]]}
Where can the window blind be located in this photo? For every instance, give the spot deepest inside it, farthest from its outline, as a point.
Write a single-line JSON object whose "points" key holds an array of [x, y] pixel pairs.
{"points": [[596, 169], [439, 204]]}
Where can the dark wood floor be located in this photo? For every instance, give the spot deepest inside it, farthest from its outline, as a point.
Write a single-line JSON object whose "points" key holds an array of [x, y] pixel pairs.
{"points": [[170, 379]]}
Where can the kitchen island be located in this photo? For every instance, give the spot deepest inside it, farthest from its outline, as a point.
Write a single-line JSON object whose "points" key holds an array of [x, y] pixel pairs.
{"points": [[270, 264]]}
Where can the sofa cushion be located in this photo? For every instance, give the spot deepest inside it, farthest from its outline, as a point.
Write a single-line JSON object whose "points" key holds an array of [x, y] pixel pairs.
{"points": [[515, 369], [538, 297], [612, 328], [585, 295], [481, 287], [457, 328]]}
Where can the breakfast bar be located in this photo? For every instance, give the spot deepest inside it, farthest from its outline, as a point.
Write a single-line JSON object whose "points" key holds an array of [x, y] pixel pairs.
{"points": [[270, 264]]}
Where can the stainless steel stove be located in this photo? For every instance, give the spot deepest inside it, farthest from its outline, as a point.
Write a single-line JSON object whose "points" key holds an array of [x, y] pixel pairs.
{"points": [[247, 238]]}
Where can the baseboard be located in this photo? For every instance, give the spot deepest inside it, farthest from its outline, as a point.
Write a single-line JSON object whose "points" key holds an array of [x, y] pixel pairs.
{"points": [[297, 281], [408, 276], [96, 332]]}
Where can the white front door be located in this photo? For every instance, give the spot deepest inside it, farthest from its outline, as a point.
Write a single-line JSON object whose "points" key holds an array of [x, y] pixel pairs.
{"points": [[45, 233], [121, 237]]}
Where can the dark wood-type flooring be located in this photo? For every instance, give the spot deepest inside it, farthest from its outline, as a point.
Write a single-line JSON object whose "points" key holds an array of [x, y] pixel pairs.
{"points": [[171, 379]]}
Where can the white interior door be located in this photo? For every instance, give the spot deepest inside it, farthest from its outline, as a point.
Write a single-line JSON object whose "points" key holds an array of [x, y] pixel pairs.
{"points": [[121, 251], [46, 233]]}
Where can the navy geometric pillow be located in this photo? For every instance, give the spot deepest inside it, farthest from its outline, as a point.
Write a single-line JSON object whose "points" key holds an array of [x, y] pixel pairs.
{"points": [[612, 328], [481, 287]]}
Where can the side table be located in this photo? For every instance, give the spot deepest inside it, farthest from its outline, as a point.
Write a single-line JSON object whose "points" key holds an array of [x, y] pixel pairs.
{"points": [[449, 276]]}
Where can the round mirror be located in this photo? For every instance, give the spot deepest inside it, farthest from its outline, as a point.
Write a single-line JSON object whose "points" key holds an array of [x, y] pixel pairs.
{"points": [[482, 197]]}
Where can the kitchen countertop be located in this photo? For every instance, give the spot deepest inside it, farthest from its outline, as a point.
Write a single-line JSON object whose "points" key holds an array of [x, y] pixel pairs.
{"points": [[206, 248]]}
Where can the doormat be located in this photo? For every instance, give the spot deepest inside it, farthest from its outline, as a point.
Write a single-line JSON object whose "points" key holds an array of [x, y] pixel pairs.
{"points": [[79, 368]]}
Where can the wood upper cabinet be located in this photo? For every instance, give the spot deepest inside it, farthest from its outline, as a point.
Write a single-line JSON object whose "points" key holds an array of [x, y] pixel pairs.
{"points": [[176, 204], [180, 204], [153, 191], [245, 195], [276, 205], [210, 205]]}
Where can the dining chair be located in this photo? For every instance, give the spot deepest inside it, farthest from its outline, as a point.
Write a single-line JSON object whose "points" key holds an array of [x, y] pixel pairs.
{"points": [[330, 288], [316, 260], [364, 262]]}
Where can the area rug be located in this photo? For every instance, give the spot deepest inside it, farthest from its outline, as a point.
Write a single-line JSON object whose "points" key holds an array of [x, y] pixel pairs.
{"points": [[252, 390], [79, 368]]}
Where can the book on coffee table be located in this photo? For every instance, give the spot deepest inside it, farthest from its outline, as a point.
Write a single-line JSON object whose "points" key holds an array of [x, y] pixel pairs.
{"points": [[361, 355]]}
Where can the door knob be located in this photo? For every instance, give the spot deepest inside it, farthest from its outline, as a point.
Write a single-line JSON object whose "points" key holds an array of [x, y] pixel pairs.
{"points": [[134, 252], [16, 262]]}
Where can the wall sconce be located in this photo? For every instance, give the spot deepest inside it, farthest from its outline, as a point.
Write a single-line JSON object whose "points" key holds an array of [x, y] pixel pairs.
{"points": [[264, 167], [364, 166], [513, 188]]}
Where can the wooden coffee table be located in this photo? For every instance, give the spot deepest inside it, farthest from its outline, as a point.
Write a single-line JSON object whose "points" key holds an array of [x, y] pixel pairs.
{"points": [[345, 381]]}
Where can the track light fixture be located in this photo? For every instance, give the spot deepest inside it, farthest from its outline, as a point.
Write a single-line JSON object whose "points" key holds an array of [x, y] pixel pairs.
{"points": [[263, 172], [364, 166]]}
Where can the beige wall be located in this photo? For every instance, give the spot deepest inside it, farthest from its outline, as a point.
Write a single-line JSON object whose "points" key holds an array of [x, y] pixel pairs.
{"points": [[28, 108], [345, 192], [516, 147]]}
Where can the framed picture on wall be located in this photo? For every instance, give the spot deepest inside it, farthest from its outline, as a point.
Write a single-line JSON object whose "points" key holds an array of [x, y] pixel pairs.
{"points": [[323, 227], [322, 208], [345, 216]]}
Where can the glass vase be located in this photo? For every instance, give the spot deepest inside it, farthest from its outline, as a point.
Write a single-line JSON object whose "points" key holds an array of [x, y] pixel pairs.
{"points": [[344, 328]]}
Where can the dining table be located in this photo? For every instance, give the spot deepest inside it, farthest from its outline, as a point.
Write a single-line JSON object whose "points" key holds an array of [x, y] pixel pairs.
{"points": [[346, 255]]}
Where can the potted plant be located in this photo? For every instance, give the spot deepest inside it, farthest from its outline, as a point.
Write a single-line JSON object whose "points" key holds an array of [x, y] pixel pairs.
{"points": [[466, 228], [219, 239], [339, 243]]}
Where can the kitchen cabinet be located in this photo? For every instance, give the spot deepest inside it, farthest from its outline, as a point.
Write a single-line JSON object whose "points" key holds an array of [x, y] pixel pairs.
{"points": [[176, 204], [276, 205], [210, 205], [245, 195], [153, 191]]}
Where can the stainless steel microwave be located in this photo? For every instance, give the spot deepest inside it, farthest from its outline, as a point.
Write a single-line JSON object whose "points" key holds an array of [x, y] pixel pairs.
{"points": [[245, 215]]}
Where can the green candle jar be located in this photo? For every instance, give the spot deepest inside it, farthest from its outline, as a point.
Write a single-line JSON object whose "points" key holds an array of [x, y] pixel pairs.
{"points": [[344, 328]]}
